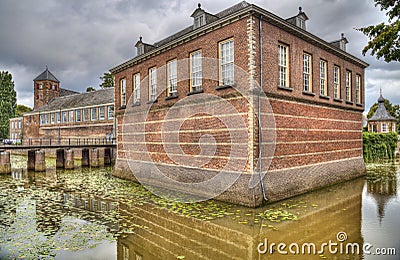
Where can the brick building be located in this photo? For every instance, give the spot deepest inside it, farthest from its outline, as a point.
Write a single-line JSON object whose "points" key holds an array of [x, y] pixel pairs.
{"points": [[382, 121], [62, 113], [16, 128], [305, 132]]}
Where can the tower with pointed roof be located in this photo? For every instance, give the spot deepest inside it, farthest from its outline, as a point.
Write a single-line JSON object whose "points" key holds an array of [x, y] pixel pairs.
{"points": [[46, 87], [382, 121]]}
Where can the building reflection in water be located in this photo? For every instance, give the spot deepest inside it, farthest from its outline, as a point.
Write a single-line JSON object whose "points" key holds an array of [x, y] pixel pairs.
{"points": [[324, 213], [383, 190]]}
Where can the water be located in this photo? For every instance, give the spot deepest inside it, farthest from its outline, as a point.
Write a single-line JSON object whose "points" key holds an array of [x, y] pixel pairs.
{"points": [[88, 214]]}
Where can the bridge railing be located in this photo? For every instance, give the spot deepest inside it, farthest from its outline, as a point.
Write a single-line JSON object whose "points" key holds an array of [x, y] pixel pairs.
{"points": [[67, 141]]}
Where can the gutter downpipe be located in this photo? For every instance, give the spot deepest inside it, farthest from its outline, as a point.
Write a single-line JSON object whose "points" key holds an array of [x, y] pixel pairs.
{"points": [[259, 114]]}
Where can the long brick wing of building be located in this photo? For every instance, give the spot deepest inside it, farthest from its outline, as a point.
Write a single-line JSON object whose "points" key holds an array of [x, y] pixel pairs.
{"points": [[301, 130]]}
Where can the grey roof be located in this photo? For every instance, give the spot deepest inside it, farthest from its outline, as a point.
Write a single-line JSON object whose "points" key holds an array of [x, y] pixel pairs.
{"points": [[221, 14], [46, 75], [67, 92], [99, 97], [381, 114]]}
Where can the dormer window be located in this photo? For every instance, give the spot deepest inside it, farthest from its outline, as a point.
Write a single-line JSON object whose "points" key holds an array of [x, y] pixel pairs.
{"points": [[140, 49], [301, 23], [199, 21], [299, 20]]}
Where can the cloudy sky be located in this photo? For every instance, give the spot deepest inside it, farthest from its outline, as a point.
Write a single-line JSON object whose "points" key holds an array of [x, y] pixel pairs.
{"points": [[80, 40]]}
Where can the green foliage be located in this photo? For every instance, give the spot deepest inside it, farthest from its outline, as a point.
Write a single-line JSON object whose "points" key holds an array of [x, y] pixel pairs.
{"points": [[394, 110], [22, 109], [108, 80], [8, 102], [90, 89], [378, 146], [384, 39]]}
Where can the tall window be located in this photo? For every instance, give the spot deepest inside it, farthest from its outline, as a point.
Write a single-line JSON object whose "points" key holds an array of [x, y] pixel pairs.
{"points": [[307, 72], [85, 114], [78, 115], [385, 128], [123, 92], [101, 113], [110, 110], [46, 119], [226, 52], [41, 119], [93, 114], [71, 116], [152, 84], [58, 119], [52, 118], [323, 86], [358, 89], [348, 85], [336, 82], [172, 77], [196, 71], [64, 116], [283, 63], [136, 88]]}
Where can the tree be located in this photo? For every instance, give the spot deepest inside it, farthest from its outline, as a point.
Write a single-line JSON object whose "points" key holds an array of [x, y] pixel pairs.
{"points": [[108, 80], [90, 89], [384, 39], [20, 109], [394, 110], [8, 102]]}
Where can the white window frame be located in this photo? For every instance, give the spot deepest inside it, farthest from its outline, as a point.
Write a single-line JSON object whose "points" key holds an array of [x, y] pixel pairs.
{"points": [[110, 112], [85, 114], [78, 115], [152, 84], [64, 116], [348, 85], [227, 62], [122, 84], [385, 128], [358, 89], [323, 83], [46, 119], [196, 71], [93, 114], [58, 117], [136, 88], [307, 72], [71, 116], [172, 78], [283, 65], [336, 82], [199, 21], [102, 113], [52, 116]]}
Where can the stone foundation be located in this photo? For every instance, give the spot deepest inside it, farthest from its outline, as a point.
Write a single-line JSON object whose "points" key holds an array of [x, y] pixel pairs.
{"points": [[278, 184]]}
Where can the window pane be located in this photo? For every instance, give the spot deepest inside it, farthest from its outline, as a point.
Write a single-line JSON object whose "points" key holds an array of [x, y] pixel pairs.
{"points": [[227, 63]]}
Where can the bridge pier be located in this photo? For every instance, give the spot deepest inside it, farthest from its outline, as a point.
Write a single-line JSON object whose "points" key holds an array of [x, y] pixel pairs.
{"points": [[69, 159], [94, 160], [85, 157], [60, 160], [31, 160], [5, 163], [107, 156], [40, 162]]}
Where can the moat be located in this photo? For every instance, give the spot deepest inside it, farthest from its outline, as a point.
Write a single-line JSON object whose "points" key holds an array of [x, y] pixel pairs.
{"points": [[89, 214]]}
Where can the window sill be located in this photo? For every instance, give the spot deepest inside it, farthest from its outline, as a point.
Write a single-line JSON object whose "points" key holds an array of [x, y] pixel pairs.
{"points": [[338, 100], [152, 101], [122, 107], [349, 102], [309, 93], [324, 97], [224, 87], [173, 96], [285, 88], [195, 92], [359, 105]]}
